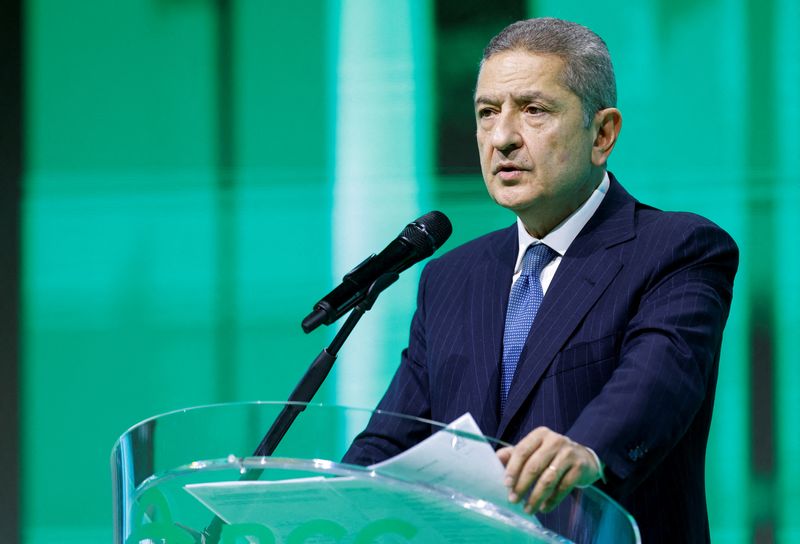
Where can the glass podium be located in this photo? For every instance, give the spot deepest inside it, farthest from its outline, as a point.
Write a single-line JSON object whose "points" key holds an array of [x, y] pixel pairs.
{"points": [[189, 477]]}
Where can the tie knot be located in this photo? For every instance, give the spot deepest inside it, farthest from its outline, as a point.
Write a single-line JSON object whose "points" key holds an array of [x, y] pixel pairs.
{"points": [[536, 258]]}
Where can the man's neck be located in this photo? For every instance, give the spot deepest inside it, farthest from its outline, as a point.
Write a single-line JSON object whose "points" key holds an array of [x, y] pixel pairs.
{"points": [[540, 223]]}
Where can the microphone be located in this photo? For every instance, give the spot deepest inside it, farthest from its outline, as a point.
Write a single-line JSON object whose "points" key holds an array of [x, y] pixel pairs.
{"points": [[418, 240]]}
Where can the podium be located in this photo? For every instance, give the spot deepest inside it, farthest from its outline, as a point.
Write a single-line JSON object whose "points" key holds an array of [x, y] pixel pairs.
{"points": [[189, 477]]}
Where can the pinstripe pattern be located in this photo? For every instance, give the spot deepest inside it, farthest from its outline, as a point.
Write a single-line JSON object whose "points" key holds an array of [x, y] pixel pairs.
{"points": [[622, 356]]}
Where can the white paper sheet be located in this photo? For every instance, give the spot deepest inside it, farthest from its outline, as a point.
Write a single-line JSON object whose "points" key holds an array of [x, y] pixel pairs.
{"points": [[464, 464]]}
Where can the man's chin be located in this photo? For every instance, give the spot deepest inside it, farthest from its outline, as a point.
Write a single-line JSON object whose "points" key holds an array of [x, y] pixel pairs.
{"points": [[514, 203]]}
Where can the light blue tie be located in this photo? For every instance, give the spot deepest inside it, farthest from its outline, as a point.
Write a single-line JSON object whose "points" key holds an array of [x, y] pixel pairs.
{"points": [[523, 303]]}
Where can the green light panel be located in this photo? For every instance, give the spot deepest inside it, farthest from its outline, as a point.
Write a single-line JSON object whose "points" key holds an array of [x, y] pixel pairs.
{"points": [[178, 225], [383, 164]]}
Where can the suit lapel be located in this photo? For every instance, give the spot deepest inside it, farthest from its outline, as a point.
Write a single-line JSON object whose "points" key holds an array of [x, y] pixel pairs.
{"points": [[585, 272], [490, 285]]}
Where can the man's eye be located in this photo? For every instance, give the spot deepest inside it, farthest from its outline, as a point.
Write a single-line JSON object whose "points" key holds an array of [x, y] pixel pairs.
{"points": [[485, 112], [533, 110]]}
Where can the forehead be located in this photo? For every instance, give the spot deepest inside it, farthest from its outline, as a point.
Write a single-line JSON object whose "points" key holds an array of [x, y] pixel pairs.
{"points": [[520, 72]]}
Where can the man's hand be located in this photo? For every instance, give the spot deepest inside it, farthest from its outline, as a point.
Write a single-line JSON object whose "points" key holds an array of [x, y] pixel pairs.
{"points": [[551, 461]]}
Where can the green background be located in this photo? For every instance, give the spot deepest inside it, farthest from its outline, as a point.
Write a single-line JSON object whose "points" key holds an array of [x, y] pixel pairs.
{"points": [[200, 172]]}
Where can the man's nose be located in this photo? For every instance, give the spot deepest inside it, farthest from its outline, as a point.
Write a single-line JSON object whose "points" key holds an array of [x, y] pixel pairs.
{"points": [[506, 136]]}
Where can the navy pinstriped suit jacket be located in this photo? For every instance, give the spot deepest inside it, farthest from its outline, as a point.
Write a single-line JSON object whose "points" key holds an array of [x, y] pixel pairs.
{"points": [[622, 356]]}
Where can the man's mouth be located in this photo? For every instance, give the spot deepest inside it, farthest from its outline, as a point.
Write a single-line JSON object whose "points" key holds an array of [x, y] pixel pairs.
{"points": [[508, 168], [509, 171]]}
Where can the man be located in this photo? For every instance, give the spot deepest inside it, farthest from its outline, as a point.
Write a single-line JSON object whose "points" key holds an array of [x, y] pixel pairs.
{"points": [[615, 376]]}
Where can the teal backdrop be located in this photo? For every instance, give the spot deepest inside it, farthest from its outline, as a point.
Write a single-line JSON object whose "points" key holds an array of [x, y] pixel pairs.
{"points": [[200, 172]]}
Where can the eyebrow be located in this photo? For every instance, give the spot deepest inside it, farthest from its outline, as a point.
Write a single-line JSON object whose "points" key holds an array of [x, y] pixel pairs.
{"points": [[522, 98]]}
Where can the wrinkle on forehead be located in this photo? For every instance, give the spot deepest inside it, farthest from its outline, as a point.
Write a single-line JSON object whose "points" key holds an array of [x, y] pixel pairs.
{"points": [[521, 74]]}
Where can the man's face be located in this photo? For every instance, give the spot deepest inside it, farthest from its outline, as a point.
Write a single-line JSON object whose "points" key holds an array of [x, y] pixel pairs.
{"points": [[536, 154]]}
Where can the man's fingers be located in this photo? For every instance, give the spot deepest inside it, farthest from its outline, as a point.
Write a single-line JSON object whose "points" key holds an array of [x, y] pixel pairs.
{"points": [[537, 462], [504, 454], [546, 466], [534, 469], [566, 485], [521, 454], [548, 481], [571, 467]]}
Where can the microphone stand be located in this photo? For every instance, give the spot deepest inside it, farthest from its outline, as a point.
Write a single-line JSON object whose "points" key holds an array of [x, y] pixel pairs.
{"points": [[305, 390]]}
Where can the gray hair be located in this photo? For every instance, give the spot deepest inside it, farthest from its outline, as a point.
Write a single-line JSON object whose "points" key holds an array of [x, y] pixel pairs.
{"points": [[587, 64]]}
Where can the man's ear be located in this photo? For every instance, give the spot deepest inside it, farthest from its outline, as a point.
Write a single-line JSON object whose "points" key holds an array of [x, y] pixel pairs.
{"points": [[607, 124]]}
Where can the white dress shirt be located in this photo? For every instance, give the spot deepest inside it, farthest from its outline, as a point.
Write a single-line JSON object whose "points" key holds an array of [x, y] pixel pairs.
{"points": [[561, 237]]}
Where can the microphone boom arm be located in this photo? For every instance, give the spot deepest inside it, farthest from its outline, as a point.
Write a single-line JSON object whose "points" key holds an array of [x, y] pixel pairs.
{"points": [[304, 391]]}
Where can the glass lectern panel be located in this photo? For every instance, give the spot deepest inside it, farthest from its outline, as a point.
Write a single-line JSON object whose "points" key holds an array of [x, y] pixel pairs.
{"points": [[190, 477]]}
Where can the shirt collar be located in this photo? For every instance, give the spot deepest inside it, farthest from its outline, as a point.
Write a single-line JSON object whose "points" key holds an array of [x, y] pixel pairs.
{"points": [[561, 237]]}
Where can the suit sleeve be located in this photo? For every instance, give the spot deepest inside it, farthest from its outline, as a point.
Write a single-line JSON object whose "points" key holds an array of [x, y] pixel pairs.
{"points": [[408, 395], [666, 376]]}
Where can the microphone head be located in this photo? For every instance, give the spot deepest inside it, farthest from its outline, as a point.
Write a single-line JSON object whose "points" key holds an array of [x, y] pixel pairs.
{"points": [[428, 232]]}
